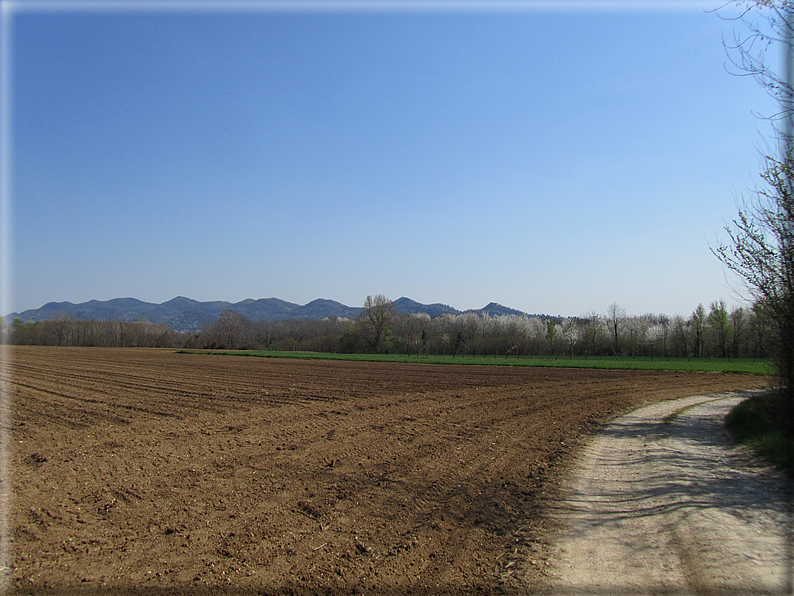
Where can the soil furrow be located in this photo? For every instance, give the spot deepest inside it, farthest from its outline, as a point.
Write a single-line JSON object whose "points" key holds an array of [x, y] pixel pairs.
{"points": [[291, 476]]}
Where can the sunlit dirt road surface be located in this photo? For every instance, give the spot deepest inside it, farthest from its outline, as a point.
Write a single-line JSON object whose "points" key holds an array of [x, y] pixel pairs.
{"points": [[664, 502], [142, 471]]}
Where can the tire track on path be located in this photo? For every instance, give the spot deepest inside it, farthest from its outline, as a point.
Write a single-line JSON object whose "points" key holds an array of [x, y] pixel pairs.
{"points": [[663, 502]]}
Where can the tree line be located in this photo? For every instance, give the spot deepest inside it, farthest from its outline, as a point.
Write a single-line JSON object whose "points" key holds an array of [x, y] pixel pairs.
{"points": [[68, 331], [716, 332]]}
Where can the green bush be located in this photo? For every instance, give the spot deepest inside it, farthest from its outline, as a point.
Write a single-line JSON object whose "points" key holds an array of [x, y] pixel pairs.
{"points": [[757, 422]]}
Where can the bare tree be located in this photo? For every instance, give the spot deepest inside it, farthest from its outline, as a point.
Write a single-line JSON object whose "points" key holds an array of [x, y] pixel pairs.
{"points": [[593, 329], [767, 27], [227, 332], [738, 322], [615, 318], [761, 253], [761, 247], [664, 324], [680, 339], [375, 321]]}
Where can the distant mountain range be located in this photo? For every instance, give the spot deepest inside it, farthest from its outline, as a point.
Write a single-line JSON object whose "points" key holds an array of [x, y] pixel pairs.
{"points": [[185, 314]]}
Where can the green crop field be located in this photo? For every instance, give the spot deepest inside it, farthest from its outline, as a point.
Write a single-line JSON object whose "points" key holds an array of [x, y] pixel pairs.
{"points": [[727, 365]]}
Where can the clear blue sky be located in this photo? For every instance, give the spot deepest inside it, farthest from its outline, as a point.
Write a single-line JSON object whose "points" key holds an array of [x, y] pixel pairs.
{"points": [[554, 161]]}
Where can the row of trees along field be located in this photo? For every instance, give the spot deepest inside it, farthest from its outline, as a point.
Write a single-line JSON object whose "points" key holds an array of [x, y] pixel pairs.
{"points": [[713, 332], [67, 331]]}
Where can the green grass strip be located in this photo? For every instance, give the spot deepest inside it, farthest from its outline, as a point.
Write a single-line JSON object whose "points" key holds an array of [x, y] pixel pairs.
{"points": [[734, 365]]}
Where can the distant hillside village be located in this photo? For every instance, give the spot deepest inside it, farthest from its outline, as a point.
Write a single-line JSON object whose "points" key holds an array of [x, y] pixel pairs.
{"points": [[384, 326]]}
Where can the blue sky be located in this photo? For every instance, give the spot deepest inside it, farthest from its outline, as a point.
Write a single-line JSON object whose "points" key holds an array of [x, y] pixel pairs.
{"points": [[552, 160]]}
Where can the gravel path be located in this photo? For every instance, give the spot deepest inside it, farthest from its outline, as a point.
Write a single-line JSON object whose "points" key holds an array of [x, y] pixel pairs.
{"points": [[663, 502]]}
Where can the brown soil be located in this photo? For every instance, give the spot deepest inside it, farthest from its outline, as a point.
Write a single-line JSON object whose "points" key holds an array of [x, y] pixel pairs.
{"points": [[147, 471]]}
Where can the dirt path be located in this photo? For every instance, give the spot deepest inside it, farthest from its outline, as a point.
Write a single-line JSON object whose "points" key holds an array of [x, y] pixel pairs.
{"points": [[664, 503]]}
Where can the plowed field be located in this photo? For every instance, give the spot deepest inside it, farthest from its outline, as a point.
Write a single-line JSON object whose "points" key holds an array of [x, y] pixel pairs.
{"points": [[147, 471]]}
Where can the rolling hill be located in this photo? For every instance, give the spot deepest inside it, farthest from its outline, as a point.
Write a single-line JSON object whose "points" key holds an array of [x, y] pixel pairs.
{"points": [[187, 315]]}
